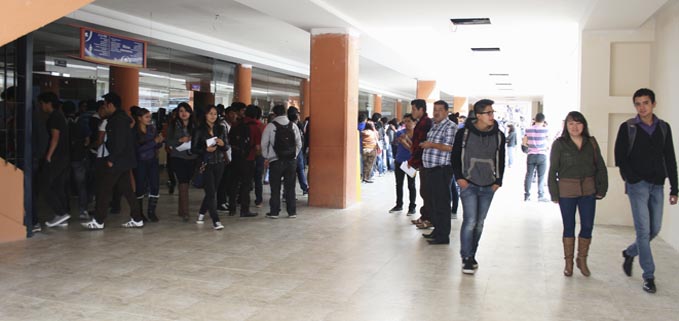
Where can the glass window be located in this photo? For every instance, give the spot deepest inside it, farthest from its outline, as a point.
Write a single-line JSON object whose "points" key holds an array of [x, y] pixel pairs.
{"points": [[271, 88]]}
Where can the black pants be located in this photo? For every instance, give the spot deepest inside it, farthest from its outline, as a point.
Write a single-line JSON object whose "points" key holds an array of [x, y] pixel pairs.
{"points": [[244, 172], [425, 210], [226, 185], [170, 170], [438, 200], [286, 170], [54, 187], [108, 180], [183, 169], [211, 178], [400, 176]]}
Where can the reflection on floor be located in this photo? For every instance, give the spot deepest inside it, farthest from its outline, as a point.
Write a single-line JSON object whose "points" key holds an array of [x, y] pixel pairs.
{"points": [[355, 264]]}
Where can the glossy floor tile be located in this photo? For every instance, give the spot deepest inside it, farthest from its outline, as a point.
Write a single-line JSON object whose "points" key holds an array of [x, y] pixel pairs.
{"points": [[361, 263]]}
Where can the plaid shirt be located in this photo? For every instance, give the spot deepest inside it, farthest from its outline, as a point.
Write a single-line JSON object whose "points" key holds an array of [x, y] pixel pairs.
{"points": [[419, 135], [441, 133]]}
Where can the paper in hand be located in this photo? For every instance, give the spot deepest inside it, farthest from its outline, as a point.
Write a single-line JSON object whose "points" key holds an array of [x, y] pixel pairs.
{"points": [[183, 147], [211, 142], [408, 170]]}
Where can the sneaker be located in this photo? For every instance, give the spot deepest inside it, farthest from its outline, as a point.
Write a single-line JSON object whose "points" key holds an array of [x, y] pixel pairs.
{"points": [[258, 205], [396, 209], [544, 200], [93, 225], [58, 220], [627, 265], [468, 266], [84, 215], [64, 224], [248, 214], [474, 263], [37, 228], [271, 216], [133, 224], [649, 285], [526, 198], [217, 226], [201, 219], [411, 211], [223, 208], [305, 193], [292, 216]]}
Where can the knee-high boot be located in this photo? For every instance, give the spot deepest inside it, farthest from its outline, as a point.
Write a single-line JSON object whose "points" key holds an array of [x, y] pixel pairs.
{"points": [[183, 208], [153, 202], [583, 250], [568, 250]]}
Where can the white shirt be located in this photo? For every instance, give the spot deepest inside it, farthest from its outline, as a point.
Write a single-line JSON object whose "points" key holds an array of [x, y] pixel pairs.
{"points": [[102, 151]]}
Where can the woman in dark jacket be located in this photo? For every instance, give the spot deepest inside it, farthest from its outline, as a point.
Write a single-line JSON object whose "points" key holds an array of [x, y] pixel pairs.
{"points": [[183, 162], [511, 144], [577, 178], [210, 143], [147, 175]]}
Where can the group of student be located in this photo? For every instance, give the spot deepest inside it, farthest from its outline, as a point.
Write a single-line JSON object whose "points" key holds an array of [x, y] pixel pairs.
{"points": [[472, 155], [221, 150]]}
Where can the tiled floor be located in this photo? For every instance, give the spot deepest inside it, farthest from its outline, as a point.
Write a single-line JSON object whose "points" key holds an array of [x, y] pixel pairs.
{"points": [[355, 264]]}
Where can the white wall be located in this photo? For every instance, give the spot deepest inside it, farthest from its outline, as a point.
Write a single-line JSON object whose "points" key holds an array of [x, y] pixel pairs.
{"points": [[665, 82]]}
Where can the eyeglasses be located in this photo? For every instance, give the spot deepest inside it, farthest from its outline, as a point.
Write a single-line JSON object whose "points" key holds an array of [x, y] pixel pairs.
{"points": [[491, 112]]}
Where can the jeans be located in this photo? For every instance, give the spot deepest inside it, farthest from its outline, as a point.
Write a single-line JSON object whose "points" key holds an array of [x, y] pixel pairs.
{"points": [[147, 178], [587, 206], [412, 191], [80, 171], [646, 200], [301, 176], [259, 172], [533, 162], [510, 155], [211, 177], [475, 204], [438, 202], [282, 169]]}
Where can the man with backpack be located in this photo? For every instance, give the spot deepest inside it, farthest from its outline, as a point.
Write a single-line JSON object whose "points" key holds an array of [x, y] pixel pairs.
{"points": [[644, 152], [281, 143], [245, 139]]}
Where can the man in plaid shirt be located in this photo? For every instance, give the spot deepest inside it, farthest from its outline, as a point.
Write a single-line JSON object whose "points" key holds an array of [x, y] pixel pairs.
{"points": [[424, 123], [438, 173]]}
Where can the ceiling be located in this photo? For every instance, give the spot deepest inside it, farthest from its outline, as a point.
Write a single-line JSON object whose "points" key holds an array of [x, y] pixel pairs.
{"points": [[401, 41]]}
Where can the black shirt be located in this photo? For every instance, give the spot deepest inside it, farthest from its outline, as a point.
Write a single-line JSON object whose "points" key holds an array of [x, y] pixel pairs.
{"points": [[57, 120]]}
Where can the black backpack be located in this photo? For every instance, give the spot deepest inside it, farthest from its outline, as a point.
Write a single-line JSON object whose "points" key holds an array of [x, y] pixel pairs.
{"points": [[284, 143], [239, 137]]}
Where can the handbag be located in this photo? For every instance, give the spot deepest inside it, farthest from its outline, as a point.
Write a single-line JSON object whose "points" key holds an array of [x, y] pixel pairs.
{"points": [[198, 180]]}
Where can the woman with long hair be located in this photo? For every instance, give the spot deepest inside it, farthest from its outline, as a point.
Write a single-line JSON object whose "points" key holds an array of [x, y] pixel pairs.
{"points": [[147, 175], [577, 178], [369, 150], [210, 143], [179, 133]]}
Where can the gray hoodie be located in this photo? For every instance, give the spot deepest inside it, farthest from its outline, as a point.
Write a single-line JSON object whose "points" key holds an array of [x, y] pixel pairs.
{"points": [[269, 136]]}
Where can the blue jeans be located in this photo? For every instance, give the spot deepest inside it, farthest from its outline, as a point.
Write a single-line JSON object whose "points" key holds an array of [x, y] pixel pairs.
{"points": [[475, 204], [147, 178], [533, 162], [510, 155], [587, 207], [301, 176], [647, 207]]}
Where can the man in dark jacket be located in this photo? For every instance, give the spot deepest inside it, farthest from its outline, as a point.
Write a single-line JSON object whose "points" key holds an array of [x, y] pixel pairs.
{"points": [[114, 169], [644, 152]]}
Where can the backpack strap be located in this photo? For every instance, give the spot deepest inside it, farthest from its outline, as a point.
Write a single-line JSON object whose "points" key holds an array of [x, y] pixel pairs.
{"points": [[595, 146], [465, 136], [497, 153]]}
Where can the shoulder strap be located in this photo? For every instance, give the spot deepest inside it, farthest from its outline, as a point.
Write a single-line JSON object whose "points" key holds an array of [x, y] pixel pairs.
{"points": [[465, 136], [595, 146]]}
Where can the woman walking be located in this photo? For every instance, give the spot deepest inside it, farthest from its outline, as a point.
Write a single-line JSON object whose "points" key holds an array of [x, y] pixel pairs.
{"points": [[370, 150], [183, 161], [147, 175], [577, 178]]}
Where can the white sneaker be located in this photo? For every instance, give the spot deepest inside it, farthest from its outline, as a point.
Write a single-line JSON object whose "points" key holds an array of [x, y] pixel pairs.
{"points": [[84, 215], [218, 226], [58, 220], [93, 225], [292, 216], [201, 219], [134, 224], [37, 228]]}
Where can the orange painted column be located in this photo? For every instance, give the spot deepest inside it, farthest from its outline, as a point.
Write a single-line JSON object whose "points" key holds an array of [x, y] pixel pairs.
{"points": [[377, 106], [334, 159], [124, 81], [305, 104], [399, 110], [12, 199], [243, 87], [427, 90], [459, 103]]}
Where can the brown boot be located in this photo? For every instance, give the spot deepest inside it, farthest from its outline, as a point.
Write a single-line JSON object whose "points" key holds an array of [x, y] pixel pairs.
{"points": [[583, 250], [568, 250], [183, 208]]}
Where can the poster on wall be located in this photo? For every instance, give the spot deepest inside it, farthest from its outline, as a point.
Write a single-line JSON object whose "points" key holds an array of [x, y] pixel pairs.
{"points": [[105, 48]]}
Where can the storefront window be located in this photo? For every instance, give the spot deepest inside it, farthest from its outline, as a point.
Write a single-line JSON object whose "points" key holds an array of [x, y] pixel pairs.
{"points": [[271, 88]]}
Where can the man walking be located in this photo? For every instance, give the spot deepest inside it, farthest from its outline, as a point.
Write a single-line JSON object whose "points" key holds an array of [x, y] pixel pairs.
{"points": [[537, 139], [644, 152], [424, 123]]}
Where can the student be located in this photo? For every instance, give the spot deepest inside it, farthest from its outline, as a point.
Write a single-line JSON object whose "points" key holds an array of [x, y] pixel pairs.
{"points": [[404, 138], [183, 161], [577, 178], [147, 173], [644, 152], [210, 144]]}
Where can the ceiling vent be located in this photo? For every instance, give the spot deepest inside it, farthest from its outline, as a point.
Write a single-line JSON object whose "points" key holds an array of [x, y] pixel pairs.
{"points": [[503, 84], [499, 75], [470, 21], [486, 49]]}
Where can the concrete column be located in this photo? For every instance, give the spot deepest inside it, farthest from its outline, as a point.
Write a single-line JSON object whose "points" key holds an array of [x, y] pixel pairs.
{"points": [[427, 90], [333, 166], [305, 104], [399, 110], [124, 81], [243, 87], [377, 105]]}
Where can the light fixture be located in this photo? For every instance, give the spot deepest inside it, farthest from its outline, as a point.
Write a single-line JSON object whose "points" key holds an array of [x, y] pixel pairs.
{"points": [[486, 49], [470, 21]]}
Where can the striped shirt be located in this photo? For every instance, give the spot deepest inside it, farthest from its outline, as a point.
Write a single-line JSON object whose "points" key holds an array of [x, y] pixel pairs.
{"points": [[538, 135], [441, 133]]}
